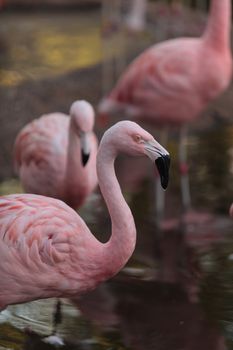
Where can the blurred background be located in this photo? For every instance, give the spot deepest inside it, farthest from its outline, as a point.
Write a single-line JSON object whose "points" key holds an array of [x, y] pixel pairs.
{"points": [[177, 291]]}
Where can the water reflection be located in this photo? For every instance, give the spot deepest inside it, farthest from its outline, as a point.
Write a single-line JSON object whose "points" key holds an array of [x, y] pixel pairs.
{"points": [[217, 291], [212, 168], [161, 309]]}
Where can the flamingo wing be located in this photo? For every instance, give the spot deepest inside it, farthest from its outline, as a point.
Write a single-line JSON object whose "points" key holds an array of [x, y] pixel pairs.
{"points": [[171, 82], [37, 235], [40, 154], [164, 84], [165, 69]]}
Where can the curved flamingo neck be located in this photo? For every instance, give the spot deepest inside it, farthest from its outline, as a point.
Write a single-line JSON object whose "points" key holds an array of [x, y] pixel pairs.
{"points": [[74, 194], [121, 244], [218, 31]]}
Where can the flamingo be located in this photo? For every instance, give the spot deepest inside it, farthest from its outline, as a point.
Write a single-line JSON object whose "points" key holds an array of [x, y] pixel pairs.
{"points": [[172, 82], [55, 155], [46, 249]]}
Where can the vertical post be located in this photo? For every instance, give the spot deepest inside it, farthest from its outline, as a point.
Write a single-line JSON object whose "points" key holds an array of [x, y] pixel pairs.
{"points": [[111, 22]]}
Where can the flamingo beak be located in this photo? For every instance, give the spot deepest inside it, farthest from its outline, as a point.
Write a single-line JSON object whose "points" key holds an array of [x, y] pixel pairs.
{"points": [[161, 158], [163, 164], [85, 148]]}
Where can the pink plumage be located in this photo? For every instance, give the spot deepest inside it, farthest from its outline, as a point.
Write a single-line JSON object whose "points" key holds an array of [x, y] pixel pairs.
{"points": [[48, 155], [46, 249], [173, 81]]}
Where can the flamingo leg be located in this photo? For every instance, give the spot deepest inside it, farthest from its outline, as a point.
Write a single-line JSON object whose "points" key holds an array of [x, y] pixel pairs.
{"points": [[112, 65], [183, 167], [106, 64], [120, 57], [57, 316], [54, 339]]}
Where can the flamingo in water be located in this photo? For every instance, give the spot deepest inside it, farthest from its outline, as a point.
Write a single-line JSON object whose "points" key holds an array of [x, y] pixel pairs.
{"points": [[172, 82], [46, 249], [55, 155]]}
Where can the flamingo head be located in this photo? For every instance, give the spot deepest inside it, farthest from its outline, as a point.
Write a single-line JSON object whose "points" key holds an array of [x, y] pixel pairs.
{"points": [[128, 137], [82, 121]]}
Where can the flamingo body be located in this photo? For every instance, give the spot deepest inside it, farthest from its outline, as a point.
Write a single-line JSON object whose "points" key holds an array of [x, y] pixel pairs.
{"points": [[39, 236], [46, 249], [44, 149], [172, 82]]}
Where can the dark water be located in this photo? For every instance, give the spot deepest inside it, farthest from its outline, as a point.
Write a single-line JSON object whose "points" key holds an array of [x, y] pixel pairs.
{"points": [[177, 290]]}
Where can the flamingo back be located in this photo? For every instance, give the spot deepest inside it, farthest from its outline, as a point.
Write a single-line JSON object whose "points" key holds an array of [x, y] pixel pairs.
{"points": [[171, 83], [40, 153]]}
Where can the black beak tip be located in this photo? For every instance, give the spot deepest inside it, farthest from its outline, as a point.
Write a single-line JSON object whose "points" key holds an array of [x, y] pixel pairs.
{"points": [[85, 158], [163, 165], [164, 182]]}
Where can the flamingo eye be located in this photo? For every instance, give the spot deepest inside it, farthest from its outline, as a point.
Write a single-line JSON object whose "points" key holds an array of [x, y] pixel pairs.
{"points": [[138, 138]]}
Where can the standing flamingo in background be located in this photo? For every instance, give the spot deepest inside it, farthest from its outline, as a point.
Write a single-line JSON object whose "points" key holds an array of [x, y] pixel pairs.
{"points": [[46, 250], [172, 82], [55, 155]]}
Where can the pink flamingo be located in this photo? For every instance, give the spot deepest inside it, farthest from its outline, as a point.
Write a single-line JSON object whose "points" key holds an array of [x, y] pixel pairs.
{"points": [[47, 250], [55, 155], [172, 82]]}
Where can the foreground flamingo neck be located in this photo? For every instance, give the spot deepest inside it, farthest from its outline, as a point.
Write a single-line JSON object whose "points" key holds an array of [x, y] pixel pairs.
{"points": [[218, 29], [121, 244]]}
